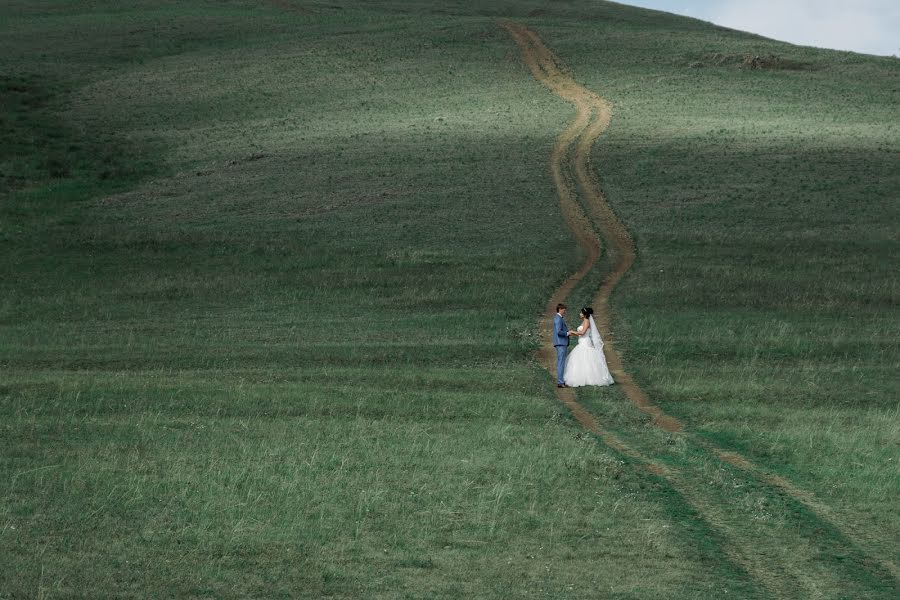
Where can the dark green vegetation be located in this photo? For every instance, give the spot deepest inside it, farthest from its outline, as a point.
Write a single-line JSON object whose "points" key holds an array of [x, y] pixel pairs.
{"points": [[271, 277]]}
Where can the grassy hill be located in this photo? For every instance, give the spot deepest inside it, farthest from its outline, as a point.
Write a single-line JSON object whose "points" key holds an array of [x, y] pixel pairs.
{"points": [[270, 282]]}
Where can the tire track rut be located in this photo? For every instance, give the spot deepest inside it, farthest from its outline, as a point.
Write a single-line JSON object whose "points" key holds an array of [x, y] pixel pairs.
{"points": [[620, 244], [545, 69], [592, 118]]}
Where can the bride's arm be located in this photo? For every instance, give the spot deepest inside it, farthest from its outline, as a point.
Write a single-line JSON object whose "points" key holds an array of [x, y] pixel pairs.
{"points": [[585, 327]]}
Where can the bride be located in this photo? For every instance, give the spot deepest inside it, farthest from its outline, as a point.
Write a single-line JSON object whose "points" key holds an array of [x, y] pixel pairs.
{"points": [[586, 364]]}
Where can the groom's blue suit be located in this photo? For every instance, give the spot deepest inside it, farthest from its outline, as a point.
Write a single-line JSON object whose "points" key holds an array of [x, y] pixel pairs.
{"points": [[561, 343]]}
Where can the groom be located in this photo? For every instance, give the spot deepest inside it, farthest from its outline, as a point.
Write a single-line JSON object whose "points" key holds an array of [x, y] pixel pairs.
{"points": [[561, 335]]}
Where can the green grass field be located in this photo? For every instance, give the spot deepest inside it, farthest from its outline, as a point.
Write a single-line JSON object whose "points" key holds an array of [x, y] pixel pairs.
{"points": [[270, 278]]}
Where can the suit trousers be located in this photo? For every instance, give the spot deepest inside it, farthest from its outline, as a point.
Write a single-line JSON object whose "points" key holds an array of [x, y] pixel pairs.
{"points": [[560, 363]]}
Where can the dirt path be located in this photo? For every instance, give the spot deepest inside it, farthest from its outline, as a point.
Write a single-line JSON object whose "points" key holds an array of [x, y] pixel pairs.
{"points": [[592, 118], [621, 247], [545, 69]]}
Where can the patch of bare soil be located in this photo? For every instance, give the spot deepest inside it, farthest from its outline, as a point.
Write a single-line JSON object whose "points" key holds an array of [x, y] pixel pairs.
{"points": [[751, 61]]}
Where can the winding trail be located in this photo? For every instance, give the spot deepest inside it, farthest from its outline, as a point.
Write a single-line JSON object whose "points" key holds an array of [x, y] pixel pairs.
{"points": [[545, 71], [545, 67], [592, 118]]}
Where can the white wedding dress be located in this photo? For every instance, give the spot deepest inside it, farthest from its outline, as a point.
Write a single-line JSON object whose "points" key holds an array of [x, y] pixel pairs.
{"points": [[586, 364]]}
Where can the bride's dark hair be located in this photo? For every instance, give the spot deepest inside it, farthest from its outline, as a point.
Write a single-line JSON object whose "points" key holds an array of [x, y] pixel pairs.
{"points": [[587, 311]]}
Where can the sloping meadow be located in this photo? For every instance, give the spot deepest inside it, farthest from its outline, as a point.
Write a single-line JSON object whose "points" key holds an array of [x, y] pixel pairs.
{"points": [[271, 274]]}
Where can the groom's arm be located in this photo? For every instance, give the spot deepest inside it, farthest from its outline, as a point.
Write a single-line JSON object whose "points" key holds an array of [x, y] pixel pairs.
{"points": [[561, 326]]}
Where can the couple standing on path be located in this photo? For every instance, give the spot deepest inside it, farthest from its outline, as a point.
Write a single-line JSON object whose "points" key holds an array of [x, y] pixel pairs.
{"points": [[586, 365]]}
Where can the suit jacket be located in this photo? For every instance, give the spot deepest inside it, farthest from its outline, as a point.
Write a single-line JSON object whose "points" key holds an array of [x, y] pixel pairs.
{"points": [[560, 331]]}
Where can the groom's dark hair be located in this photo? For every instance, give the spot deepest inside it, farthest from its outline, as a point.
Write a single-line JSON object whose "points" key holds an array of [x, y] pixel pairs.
{"points": [[560, 305]]}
